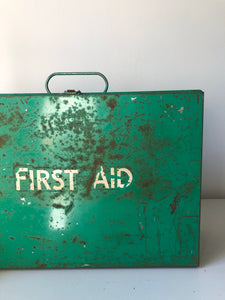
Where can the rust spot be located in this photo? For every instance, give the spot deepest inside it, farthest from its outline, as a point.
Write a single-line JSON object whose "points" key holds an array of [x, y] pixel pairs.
{"points": [[32, 237], [80, 158], [37, 238], [16, 120], [37, 193], [112, 103], [50, 126], [146, 128], [58, 205], [126, 195], [4, 139], [113, 144], [174, 204], [68, 209], [64, 241], [145, 184], [43, 265], [116, 156], [74, 239], [12, 238], [82, 242], [100, 149], [141, 238], [163, 197], [145, 206]]}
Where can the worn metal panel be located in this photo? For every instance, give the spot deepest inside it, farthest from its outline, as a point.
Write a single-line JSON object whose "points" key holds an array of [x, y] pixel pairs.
{"points": [[124, 179]]}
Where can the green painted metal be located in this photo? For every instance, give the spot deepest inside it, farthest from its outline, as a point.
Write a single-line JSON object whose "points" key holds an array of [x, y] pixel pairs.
{"points": [[124, 179]]}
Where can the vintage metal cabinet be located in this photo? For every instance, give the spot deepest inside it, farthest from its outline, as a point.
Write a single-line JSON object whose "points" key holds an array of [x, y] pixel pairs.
{"points": [[100, 179]]}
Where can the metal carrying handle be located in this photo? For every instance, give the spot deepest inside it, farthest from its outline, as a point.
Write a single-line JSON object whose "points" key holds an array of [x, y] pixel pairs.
{"points": [[76, 73]]}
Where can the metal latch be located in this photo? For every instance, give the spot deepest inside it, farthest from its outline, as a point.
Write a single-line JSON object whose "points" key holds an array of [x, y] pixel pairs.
{"points": [[73, 92]]}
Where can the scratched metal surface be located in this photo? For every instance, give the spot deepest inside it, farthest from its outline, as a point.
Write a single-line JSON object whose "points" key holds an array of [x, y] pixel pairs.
{"points": [[147, 217]]}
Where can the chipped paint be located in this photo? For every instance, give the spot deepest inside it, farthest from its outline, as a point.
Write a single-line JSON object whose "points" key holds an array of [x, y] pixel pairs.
{"points": [[181, 110]]}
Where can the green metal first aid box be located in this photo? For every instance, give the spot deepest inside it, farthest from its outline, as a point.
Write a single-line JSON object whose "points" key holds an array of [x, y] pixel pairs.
{"points": [[100, 179]]}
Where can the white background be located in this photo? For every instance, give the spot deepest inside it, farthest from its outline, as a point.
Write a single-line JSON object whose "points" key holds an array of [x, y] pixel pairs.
{"points": [[138, 44]]}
